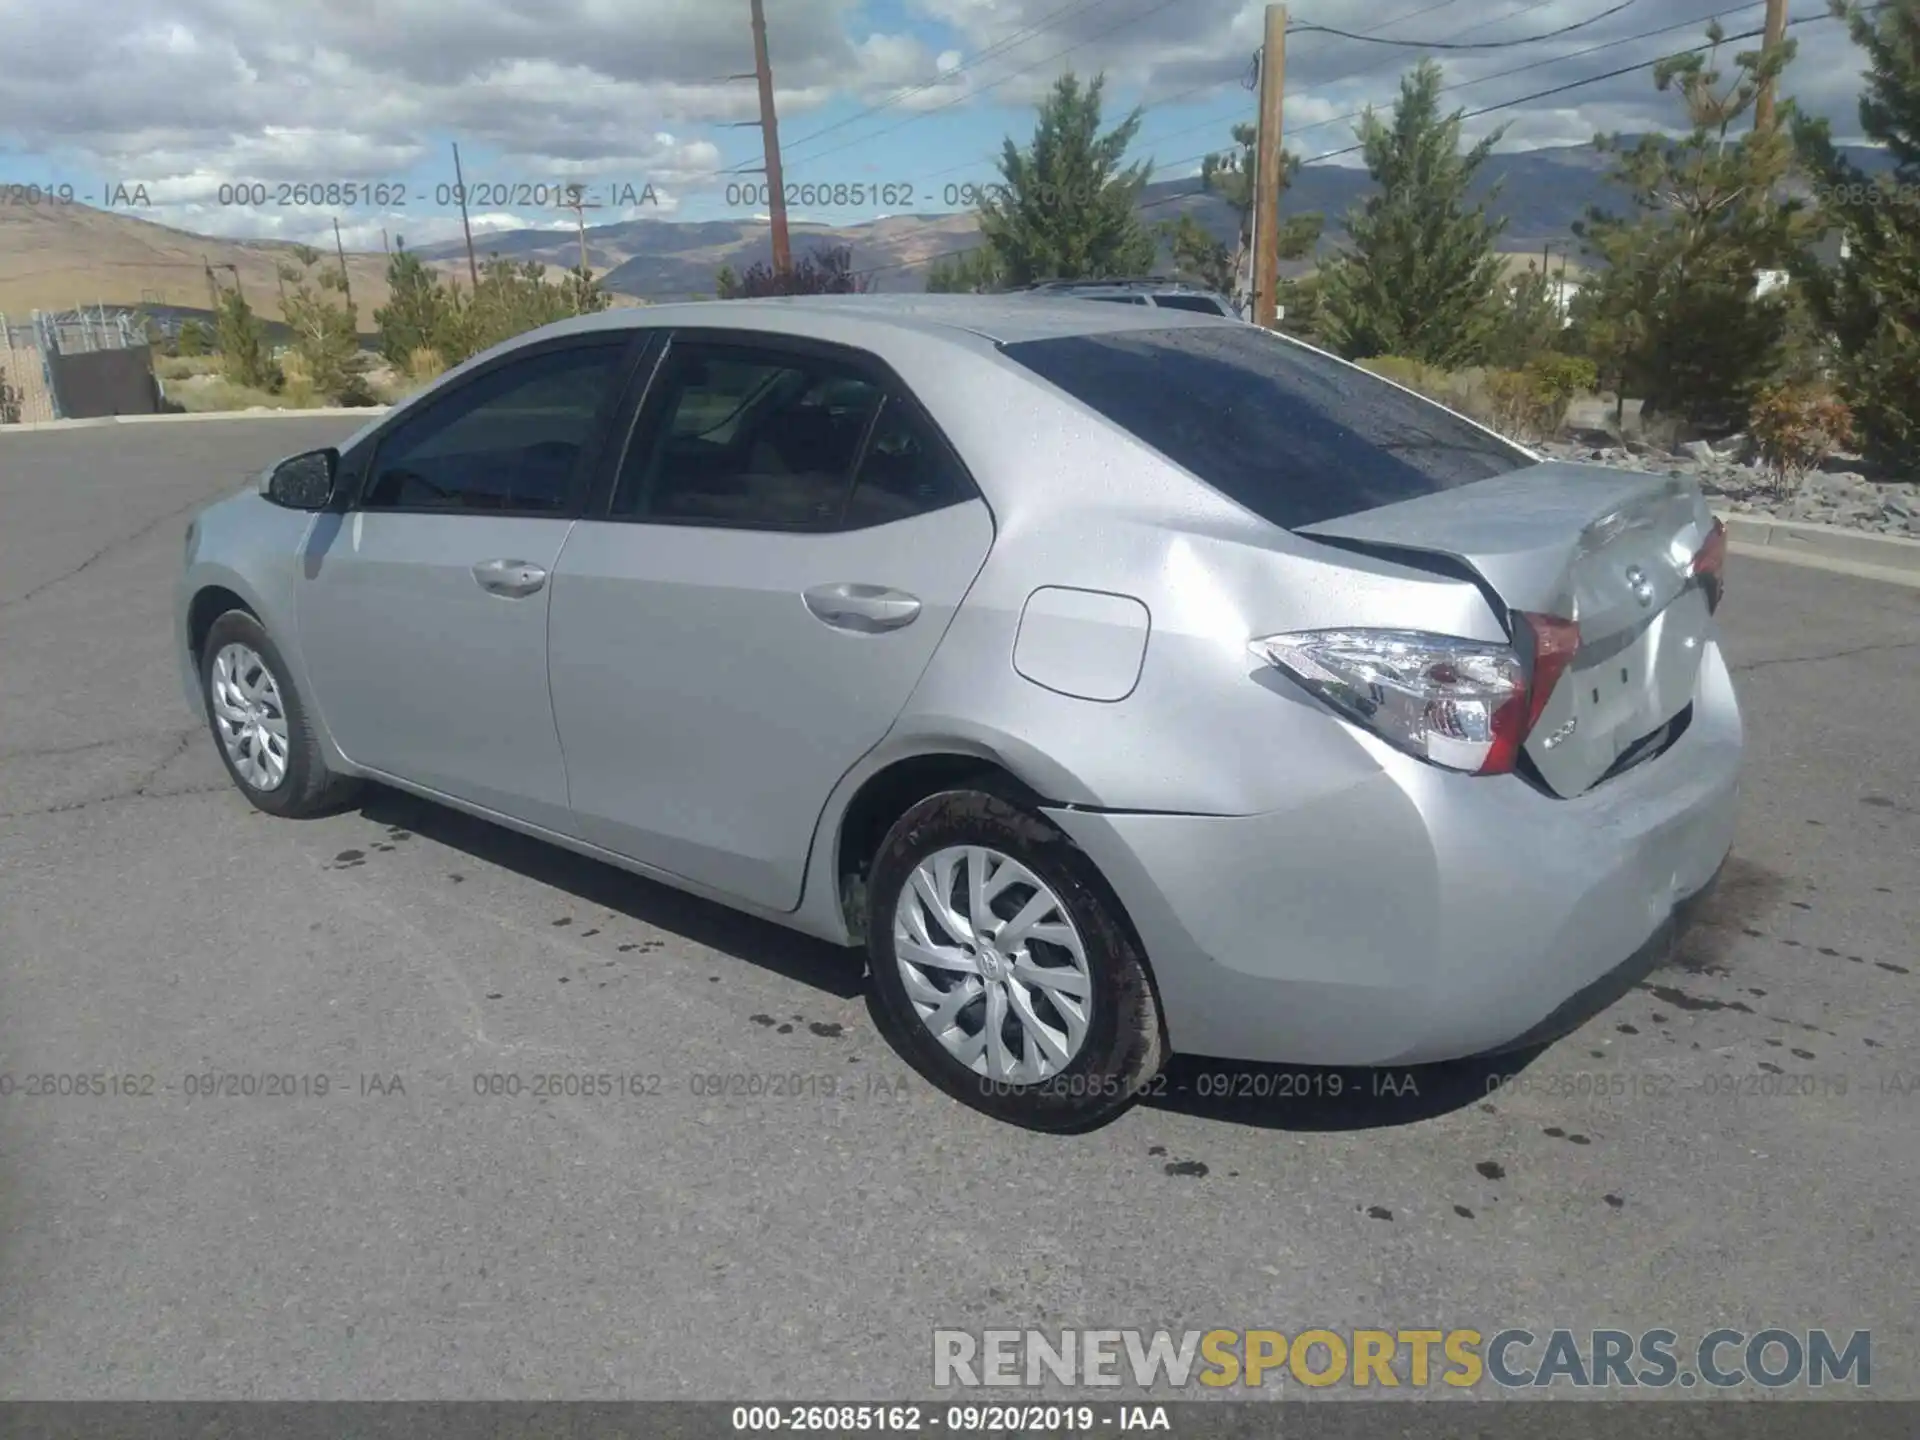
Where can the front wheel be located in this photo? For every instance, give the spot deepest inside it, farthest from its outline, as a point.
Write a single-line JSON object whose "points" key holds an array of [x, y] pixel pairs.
{"points": [[1004, 968], [260, 723]]}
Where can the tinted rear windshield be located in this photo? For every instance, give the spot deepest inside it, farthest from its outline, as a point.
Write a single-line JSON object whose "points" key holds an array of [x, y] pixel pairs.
{"points": [[1295, 437]]}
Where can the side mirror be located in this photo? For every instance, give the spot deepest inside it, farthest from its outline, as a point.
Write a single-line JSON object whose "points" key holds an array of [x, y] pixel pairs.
{"points": [[302, 482]]}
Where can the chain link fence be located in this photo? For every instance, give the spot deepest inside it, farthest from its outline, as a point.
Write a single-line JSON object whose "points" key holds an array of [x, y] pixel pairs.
{"points": [[67, 364]]}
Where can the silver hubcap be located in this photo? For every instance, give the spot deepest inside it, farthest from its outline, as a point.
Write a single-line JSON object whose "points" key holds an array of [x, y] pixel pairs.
{"points": [[251, 718], [993, 964]]}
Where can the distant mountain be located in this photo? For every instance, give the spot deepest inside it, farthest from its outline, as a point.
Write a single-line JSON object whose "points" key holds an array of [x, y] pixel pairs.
{"points": [[56, 257], [53, 257], [1540, 192], [678, 260]]}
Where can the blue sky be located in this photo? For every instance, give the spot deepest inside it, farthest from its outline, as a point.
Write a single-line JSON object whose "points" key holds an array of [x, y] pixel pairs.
{"points": [[217, 107]]}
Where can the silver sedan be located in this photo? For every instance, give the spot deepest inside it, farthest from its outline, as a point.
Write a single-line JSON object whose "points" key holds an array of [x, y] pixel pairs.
{"points": [[1124, 681]]}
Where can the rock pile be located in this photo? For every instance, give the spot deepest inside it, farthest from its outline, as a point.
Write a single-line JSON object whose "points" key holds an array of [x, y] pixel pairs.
{"points": [[1831, 496]]}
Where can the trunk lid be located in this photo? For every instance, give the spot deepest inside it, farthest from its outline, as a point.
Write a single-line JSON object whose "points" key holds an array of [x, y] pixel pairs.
{"points": [[1609, 549]]}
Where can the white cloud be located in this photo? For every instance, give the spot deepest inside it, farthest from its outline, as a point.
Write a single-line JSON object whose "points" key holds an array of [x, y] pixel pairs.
{"points": [[186, 96]]}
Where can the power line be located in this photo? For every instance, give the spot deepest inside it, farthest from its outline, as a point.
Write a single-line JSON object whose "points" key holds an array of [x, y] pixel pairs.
{"points": [[1467, 115], [749, 167], [1598, 49], [999, 47], [1145, 14], [1363, 70], [1212, 85], [1480, 80], [1457, 45], [1594, 79]]}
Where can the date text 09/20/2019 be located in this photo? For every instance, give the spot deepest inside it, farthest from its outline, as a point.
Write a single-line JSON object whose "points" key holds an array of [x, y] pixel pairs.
{"points": [[961, 1420]]}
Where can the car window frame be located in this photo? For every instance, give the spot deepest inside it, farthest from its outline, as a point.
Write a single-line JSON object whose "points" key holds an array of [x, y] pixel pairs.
{"points": [[640, 416], [631, 347]]}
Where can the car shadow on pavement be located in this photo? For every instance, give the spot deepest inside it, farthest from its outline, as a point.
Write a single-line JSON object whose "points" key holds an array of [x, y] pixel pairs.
{"points": [[830, 968], [1326, 1097], [1272, 1097]]}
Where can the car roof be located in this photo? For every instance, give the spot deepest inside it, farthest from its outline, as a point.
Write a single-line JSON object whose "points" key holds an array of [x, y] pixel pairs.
{"points": [[1001, 319]]}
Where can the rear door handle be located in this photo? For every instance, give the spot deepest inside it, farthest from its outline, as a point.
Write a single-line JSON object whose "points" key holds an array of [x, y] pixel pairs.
{"points": [[515, 579], [867, 609]]}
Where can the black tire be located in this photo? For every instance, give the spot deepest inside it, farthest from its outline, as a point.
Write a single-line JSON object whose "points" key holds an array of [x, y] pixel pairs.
{"points": [[308, 787], [1123, 1049]]}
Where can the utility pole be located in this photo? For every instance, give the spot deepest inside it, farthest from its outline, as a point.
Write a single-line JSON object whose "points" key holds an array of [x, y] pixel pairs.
{"points": [[770, 137], [1776, 33], [460, 189], [1268, 172], [578, 204], [346, 287]]}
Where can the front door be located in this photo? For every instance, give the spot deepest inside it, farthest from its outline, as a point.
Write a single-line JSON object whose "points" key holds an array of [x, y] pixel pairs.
{"points": [[423, 609], [786, 544]]}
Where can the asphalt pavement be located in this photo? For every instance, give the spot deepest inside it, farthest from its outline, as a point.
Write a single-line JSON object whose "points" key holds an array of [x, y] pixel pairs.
{"points": [[429, 1228]]}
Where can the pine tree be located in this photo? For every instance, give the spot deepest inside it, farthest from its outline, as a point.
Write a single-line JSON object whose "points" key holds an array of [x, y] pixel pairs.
{"points": [[966, 272], [1197, 256], [1674, 314], [1529, 320], [1418, 276], [242, 342], [1065, 209], [827, 270], [1230, 175], [325, 332], [1870, 303], [584, 295], [418, 310]]}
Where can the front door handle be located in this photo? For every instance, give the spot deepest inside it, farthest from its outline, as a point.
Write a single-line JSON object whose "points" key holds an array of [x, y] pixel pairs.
{"points": [[515, 579], [867, 609]]}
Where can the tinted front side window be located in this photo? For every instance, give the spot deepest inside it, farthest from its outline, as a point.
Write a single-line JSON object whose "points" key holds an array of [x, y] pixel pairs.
{"points": [[1295, 437], [763, 439], [511, 440]]}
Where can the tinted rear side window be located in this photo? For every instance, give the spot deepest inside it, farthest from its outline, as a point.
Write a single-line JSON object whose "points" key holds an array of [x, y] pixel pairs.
{"points": [[1295, 437]]}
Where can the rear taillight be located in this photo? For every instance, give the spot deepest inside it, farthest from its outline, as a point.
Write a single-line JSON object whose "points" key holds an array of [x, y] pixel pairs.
{"points": [[1464, 705], [1710, 565]]}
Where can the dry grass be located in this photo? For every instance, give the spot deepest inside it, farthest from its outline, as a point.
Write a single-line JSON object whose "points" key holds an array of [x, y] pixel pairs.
{"points": [[391, 387], [1510, 402], [426, 364], [183, 367], [214, 393]]}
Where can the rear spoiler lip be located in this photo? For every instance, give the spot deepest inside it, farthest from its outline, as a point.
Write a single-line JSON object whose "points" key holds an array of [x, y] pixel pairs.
{"points": [[1442, 563], [1518, 531]]}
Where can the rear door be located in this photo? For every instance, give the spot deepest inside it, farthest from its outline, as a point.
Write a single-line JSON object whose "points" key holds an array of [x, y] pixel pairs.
{"points": [[748, 610]]}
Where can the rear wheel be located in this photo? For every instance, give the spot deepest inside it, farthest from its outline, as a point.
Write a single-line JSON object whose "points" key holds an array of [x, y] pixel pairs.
{"points": [[1004, 968], [260, 723]]}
